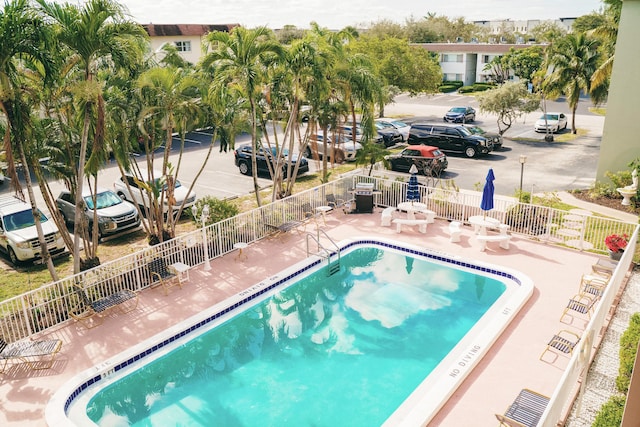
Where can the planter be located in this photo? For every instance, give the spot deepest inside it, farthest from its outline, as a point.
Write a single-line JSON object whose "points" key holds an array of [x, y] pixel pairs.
{"points": [[615, 255]]}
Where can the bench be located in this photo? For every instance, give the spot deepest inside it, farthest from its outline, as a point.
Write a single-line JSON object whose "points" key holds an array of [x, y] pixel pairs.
{"points": [[502, 238], [386, 216], [89, 312], [430, 216], [455, 229], [421, 223]]}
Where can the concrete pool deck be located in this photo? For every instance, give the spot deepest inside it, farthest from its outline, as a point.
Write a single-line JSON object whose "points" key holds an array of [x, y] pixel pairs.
{"points": [[510, 365]]}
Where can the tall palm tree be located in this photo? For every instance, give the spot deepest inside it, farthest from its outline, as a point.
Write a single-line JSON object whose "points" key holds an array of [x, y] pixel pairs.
{"points": [[171, 96], [573, 61], [241, 57], [98, 31], [25, 46]]}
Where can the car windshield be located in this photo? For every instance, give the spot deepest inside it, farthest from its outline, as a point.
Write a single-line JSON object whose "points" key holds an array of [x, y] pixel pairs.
{"points": [[380, 125], [458, 110], [399, 124], [465, 131], [20, 220], [550, 117], [103, 200]]}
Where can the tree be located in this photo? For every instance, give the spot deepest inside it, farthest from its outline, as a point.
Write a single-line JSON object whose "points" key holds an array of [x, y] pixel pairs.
{"points": [[170, 96], [548, 32], [573, 61], [498, 68], [508, 101], [94, 33], [25, 48], [524, 62], [240, 57]]}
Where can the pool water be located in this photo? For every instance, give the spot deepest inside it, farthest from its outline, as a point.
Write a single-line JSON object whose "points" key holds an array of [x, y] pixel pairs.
{"points": [[345, 350]]}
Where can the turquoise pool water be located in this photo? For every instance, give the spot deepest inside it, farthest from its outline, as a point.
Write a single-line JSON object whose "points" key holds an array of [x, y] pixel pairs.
{"points": [[345, 350]]}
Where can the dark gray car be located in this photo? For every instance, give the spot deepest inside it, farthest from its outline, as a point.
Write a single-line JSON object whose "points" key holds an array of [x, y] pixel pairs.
{"points": [[455, 138]]}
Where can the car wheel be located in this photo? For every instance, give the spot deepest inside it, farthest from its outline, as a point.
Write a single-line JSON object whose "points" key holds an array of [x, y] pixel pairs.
{"points": [[12, 256], [339, 156], [470, 152], [473, 118], [307, 152], [244, 168], [565, 126]]}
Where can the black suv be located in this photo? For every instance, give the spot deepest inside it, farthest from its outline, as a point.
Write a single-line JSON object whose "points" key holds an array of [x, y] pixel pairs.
{"points": [[243, 160], [449, 138]]}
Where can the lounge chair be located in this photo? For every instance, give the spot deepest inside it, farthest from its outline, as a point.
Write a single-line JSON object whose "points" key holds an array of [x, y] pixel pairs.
{"points": [[564, 341], [604, 268], [85, 310], [525, 411], [36, 354], [281, 230], [593, 285], [162, 276], [580, 303]]}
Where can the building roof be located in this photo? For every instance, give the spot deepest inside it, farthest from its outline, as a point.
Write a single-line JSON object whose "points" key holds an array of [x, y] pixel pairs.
{"points": [[158, 30], [498, 48]]}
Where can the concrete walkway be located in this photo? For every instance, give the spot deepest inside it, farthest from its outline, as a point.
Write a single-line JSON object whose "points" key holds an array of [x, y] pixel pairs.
{"points": [[601, 378]]}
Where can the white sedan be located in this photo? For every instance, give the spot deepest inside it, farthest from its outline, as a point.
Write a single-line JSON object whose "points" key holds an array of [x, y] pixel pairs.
{"points": [[553, 121], [402, 127]]}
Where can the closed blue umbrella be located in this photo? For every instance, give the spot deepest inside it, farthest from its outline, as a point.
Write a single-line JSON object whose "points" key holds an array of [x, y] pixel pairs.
{"points": [[413, 192], [487, 193]]}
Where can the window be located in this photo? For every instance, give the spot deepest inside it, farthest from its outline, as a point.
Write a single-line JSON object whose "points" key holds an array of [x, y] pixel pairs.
{"points": [[183, 46], [485, 59], [452, 57]]}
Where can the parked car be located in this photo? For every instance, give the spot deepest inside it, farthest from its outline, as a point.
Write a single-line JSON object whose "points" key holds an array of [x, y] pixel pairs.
{"points": [[115, 215], [347, 131], [554, 122], [390, 135], [495, 138], [18, 233], [429, 160], [460, 115], [242, 156], [455, 138], [139, 196], [345, 148], [401, 126]]}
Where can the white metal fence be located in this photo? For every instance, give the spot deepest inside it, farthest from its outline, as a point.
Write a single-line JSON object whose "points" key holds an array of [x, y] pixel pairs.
{"points": [[48, 306]]}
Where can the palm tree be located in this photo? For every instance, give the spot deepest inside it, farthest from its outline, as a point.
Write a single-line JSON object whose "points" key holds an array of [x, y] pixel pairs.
{"points": [[25, 47], [97, 32], [573, 61], [171, 97], [241, 57]]}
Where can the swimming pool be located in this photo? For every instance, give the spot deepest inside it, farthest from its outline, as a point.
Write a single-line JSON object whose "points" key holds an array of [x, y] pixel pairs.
{"points": [[384, 318]]}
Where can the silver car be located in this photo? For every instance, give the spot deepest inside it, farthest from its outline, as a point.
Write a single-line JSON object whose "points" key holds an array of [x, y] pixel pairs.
{"points": [[114, 214]]}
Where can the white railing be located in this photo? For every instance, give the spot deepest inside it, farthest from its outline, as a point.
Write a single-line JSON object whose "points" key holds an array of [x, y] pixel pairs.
{"points": [[48, 306], [579, 364]]}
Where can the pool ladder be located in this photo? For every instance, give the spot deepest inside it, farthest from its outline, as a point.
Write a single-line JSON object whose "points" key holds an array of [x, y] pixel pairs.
{"points": [[332, 256]]}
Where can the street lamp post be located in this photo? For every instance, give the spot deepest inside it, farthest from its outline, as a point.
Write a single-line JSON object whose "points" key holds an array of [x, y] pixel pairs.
{"points": [[523, 160], [204, 215]]}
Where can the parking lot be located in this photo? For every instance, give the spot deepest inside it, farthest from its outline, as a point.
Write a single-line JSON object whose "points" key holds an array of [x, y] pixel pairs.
{"points": [[549, 166]]}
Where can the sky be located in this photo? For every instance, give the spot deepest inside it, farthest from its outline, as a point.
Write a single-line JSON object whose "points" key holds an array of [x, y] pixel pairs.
{"points": [[337, 14]]}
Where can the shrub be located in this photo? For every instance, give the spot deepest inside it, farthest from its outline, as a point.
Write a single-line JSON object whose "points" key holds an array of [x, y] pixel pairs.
{"points": [[447, 88], [628, 348], [620, 179], [610, 414], [481, 87], [466, 89], [218, 210], [456, 83]]}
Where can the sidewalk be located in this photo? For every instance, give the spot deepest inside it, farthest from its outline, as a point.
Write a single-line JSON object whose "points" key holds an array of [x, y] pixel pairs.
{"points": [[603, 210]]}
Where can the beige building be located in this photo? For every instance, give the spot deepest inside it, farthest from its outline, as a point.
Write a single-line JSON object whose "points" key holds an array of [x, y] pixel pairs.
{"points": [[187, 38], [621, 135]]}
